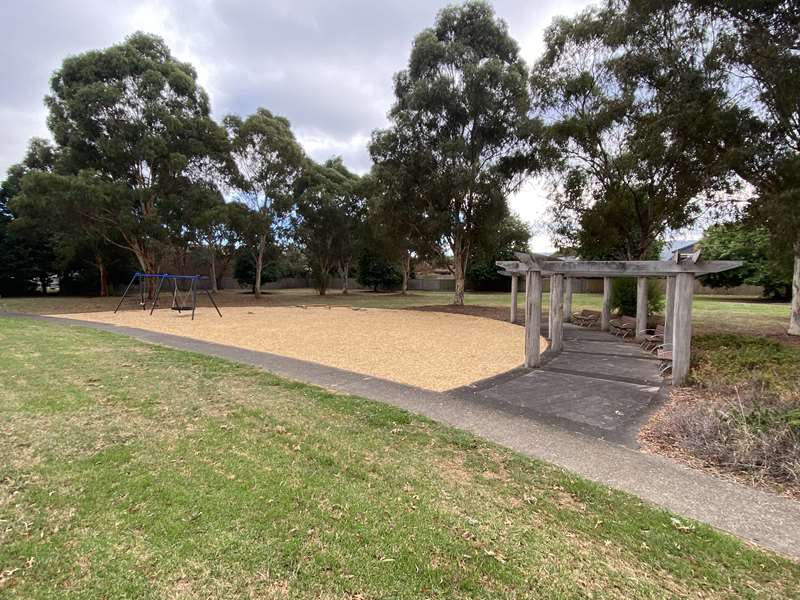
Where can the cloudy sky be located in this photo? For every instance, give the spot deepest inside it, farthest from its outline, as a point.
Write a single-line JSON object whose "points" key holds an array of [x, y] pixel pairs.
{"points": [[326, 65]]}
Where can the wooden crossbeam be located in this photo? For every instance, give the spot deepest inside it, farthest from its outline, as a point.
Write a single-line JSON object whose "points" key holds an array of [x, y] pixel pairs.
{"points": [[613, 268]]}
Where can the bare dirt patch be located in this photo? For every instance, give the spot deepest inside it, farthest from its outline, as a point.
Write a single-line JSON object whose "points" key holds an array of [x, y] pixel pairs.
{"points": [[497, 313], [433, 351]]}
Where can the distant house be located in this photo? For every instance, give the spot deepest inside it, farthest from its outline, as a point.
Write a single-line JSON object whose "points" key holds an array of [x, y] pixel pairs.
{"points": [[676, 246]]}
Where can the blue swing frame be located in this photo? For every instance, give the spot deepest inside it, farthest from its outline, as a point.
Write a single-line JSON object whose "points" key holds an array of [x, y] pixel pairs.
{"points": [[162, 277]]}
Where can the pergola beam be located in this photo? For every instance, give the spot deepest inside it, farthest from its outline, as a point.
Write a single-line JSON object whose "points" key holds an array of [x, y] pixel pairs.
{"points": [[633, 268], [680, 274]]}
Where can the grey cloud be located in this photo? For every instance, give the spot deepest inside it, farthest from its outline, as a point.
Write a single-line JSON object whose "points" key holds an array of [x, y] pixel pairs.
{"points": [[327, 66]]}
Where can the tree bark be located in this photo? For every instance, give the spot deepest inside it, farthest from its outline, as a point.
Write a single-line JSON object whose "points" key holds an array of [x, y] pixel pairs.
{"points": [[344, 271], [406, 273], [102, 270], [460, 256], [262, 242], [147, 261], [213, 272], [794, 319]]}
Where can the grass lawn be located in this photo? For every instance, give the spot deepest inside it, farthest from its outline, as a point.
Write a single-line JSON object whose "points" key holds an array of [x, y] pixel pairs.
{"points": [[711, 313], [132, 470]]}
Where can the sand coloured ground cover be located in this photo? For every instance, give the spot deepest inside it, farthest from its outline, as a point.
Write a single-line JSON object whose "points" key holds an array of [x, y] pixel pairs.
{"points": [[435, 351]]}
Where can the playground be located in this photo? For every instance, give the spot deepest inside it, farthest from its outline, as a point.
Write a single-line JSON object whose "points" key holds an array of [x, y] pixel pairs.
{"points": [[434, 351]]}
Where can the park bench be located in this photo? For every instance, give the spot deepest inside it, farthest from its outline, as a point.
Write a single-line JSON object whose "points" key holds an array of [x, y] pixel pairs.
{"points": [[623, 326], [653, 338], [664, 354], [586, 318]]}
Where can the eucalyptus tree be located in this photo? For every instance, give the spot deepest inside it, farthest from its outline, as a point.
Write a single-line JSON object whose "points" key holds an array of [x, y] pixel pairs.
{"points": [[268, 162], [27, 234], [329, 210], [136, 119], [763, 48], [464, 99], [758, 44], [221, 229], [638, 113], [398, 208]]}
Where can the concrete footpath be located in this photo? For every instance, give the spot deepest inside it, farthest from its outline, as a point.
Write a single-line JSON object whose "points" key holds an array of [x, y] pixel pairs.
{"points": [[759, 517]]}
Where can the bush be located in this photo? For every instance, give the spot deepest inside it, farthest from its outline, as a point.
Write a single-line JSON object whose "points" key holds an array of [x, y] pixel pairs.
{"points": [[623, 296], [749, 432], [376, 272], [743, 415]]}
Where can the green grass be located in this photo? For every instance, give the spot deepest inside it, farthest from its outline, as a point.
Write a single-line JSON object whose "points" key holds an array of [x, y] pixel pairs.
{"points": [[137, 471]]}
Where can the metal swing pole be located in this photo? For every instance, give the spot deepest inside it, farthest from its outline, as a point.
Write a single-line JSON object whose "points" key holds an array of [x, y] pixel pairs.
{"points": [[158, 293], [125, 293], [176, 304], [194, 295], [210, 297]]}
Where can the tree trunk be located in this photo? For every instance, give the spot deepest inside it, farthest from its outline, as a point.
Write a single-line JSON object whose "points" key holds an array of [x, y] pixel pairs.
{"points": [[262, 242], [460, 255], [406, 268], [213, 273], [43, 283], [794, 319], [102, 269], [147, 262], [344, 271]]}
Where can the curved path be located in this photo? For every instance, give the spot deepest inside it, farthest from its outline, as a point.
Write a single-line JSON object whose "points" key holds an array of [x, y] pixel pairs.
{"points": [[759, 517]]}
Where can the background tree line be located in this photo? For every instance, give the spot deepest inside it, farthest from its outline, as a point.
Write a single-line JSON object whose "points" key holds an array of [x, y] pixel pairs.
{"points": [[644, 115]]}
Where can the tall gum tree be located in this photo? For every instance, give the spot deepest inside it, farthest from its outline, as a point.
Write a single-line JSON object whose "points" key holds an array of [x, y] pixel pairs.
{"points": [[759, 44], [268, 162], [395, 189], [328, 218], [640, 125], [136, 118], [464, 97]]}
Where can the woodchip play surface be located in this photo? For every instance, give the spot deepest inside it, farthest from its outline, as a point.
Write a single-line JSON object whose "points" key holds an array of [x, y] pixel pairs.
{"points": [[435, 351]]}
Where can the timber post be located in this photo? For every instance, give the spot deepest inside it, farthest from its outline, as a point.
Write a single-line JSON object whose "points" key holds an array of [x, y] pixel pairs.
{"points": [[568, 299], [682, 328], [641, 307], [556, 312], [605, 312], [514, 290], [669, 311], [533, 318]]}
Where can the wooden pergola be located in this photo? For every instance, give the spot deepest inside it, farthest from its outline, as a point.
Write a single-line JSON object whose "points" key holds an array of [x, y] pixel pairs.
{"points": [[679, 273]]}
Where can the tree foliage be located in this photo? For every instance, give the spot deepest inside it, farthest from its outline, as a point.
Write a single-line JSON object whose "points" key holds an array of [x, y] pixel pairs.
{"points": [[638, 119], [750, 244], [267, 163], [136, 118], [462, 104], [329, 206], [511, 235], [624, 294]]}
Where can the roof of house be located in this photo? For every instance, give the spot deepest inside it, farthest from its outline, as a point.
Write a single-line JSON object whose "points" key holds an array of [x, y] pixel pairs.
{"points": [[670, 248]]}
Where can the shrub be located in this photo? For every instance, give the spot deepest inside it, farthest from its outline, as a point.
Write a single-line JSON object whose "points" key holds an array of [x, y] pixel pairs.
{"points": [[376, 272], [750, 431], [743, 415], [623, 296]]}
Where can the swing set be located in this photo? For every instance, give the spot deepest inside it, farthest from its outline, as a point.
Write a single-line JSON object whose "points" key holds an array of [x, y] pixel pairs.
{"points": [[183, 299]]}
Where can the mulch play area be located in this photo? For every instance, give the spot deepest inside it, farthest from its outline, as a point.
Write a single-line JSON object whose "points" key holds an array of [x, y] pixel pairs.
{"points": [[434, 351]]}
